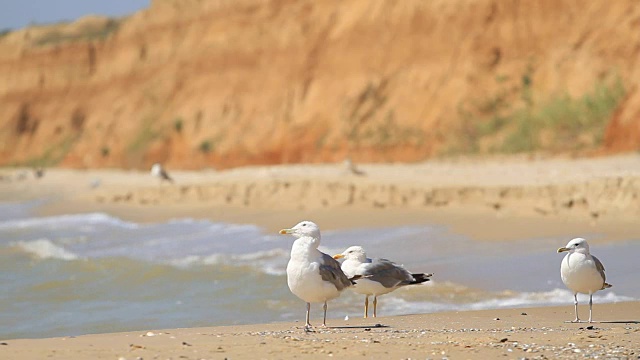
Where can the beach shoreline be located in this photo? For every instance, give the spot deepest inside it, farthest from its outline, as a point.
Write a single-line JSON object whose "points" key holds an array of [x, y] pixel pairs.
{"points": [[492, 201], [475, 224], [485, 200]]}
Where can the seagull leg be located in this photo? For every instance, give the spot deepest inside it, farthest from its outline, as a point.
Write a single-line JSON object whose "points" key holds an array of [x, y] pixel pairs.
{"points": [[575, 305], [366, 306], [324, 319], [375, 305], [307, 325], [590, 306]]}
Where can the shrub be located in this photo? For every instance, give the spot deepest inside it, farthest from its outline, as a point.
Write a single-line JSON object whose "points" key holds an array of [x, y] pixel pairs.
{"points": [[206, 146]]}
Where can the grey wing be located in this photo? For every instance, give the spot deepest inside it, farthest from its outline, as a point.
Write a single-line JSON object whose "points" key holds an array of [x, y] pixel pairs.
{"points": [[165, 175], [387, 273], [330, 271], [600, 268]]}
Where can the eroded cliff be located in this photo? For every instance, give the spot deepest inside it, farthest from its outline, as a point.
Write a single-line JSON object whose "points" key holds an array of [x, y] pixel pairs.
{"points": [[226, 83]]}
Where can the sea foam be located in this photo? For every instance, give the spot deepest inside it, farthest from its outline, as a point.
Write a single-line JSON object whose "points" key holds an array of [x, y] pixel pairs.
{"points": [[395, 305], [270, 262], [66, 221], [45, 249]]}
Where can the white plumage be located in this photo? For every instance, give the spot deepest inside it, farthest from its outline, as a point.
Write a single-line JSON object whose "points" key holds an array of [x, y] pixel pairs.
{"points": [[313, 276], [377, 276], [158, 171], [582, 272]]}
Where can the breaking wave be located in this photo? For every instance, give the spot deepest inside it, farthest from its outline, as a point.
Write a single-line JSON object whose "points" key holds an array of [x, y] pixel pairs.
{"points": [[394, 305], [88, 219], [270, 262], [45, 249]]}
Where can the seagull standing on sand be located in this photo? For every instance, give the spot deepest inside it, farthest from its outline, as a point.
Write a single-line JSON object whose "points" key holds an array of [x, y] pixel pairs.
{"points": [[351, 167], [378, 276], [582, 272], [313, 276], [158, 171]]}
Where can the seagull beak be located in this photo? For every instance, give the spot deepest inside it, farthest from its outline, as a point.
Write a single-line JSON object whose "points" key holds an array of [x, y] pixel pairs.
{"points": [[286, 231], [338, 256], [563, 249]]}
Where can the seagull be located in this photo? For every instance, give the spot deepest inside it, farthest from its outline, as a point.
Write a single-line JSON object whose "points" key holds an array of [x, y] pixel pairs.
{"points": [[378, 276], [313, 276], [38, 172], [582, 272], [159, 172], [351, 167]]}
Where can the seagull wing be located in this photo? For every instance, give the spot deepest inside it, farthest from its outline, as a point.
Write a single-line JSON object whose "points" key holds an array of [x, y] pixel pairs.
{"points": [[387, 273], [331, 272], [600, 268], [165, 175]]}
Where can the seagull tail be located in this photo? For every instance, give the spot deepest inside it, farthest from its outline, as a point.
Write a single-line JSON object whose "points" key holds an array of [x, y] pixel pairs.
{"points": [[606, 286], [354, 278], [420, 278]]}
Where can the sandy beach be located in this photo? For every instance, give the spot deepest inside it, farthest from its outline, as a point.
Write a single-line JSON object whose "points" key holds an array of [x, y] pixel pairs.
{"points": [[488, 200], [494, 145], [495, 199], [537, 333]]}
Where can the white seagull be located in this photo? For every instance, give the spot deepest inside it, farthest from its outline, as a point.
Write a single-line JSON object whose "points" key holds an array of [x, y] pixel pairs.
{"points": [[582, 272], [313, 276], [378, 276], [158, 171]]}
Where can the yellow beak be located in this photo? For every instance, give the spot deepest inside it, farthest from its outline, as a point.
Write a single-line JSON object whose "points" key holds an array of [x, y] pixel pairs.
{"points": [[338, 256], [562, 249], [286, 231]]}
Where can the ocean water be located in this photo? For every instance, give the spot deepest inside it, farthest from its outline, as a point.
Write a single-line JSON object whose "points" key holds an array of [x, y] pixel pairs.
{"points": [[92, 273]]}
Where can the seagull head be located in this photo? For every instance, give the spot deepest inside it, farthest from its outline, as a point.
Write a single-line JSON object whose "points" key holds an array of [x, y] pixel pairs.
{"points": [[576, 245], [156, 169], [303, 229], [353, 253]]}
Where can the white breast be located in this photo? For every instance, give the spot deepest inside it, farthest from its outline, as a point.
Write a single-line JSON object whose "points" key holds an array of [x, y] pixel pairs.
{"points": [[303, 275], [305, 282], [580, 274]]}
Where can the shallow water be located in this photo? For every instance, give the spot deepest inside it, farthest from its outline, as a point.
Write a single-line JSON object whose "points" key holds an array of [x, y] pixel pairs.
{"points": [[92, 273]]}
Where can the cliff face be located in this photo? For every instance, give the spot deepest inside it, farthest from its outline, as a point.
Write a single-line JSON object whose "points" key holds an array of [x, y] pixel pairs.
{"points": [[225, 83]]}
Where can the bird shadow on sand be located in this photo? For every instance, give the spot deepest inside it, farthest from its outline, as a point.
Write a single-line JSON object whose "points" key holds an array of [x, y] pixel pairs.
{"points": [[375, 326], [605, 322], [618, 322], [363, 327]]}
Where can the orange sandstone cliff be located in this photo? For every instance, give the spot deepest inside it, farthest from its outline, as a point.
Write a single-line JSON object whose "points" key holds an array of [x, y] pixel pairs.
{"points": [[226, 83]]}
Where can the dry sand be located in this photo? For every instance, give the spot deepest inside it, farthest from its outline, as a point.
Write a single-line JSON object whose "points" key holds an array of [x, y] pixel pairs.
{"points": [[497, 200], [536, 333]]}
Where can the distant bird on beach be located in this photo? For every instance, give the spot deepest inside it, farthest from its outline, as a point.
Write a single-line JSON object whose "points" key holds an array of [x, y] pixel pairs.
{"points": [[95, 183], [351, 167], [582, 272], [378, 276], [158, 171], [312, 275], [38, 172]]}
